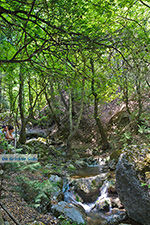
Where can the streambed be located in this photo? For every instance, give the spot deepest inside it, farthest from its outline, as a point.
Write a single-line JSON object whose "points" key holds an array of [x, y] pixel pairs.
{"points": [[92, 190]]}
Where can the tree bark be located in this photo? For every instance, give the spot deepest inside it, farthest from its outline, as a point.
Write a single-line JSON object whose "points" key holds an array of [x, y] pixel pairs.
{"points": [[51, 109], [74, 129], [105, 143], [31, 114], [63, 99], [22, 138], [126, 94]]}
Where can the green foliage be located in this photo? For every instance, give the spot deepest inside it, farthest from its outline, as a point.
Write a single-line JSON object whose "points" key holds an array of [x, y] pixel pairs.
{"points": [[65, 221], [144, 184], [37, 193], [127, 135], [126, 138], [31, 167], [144, 129], [51, 48]]}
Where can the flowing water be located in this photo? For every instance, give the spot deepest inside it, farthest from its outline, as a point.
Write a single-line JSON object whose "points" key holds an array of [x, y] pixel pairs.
{"points": [[95, 215]]}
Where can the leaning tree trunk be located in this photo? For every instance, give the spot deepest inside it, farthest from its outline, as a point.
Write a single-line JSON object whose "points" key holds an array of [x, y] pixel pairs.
{"points": [[22, 138]]}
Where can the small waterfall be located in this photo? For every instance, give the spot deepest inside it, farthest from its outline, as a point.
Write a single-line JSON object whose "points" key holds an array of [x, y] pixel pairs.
{"points": [[68, 194], [69, 197], [101, 199], [104, 195]]}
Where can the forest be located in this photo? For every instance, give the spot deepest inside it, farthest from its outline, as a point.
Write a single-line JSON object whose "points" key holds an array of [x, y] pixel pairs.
{"points": [[74, 112]]}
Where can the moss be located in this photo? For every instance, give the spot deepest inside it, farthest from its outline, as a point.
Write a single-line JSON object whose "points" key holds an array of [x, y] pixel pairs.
{"points": [[115, 155]]}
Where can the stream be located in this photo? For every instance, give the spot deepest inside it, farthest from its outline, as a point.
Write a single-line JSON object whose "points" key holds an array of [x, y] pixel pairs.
{"points": [[101, 210]]}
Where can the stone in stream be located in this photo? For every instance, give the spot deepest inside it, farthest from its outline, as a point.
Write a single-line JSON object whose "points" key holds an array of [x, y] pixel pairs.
{"points": [[133, 196], [69, 211], [89, 188]]}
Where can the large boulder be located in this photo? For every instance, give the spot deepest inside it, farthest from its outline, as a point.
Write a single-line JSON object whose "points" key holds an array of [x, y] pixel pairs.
{"points": [[69, 211], [133, 196]]}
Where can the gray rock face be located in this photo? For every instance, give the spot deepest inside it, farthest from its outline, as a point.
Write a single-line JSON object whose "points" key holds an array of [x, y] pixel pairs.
{"points": [[133, 196], [68, 210]]}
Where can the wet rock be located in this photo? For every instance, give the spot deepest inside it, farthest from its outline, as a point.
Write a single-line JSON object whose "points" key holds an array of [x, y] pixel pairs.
{"points": [[116, 218], [69, 211], [133, 196], [115, 202], [89, 188], [103, 205], [96, 219]]}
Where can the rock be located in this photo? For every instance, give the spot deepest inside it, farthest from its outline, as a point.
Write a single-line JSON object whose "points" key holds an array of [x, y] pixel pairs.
{"points": [[89, 188], [55, 179], [116, 218], [94, 218], [133, 196], [116, 203], [103, 205], [35, 133], [69, 211]]}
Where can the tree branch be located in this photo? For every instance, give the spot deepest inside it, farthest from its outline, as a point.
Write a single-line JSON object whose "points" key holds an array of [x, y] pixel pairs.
{"points": [[144, 4]]}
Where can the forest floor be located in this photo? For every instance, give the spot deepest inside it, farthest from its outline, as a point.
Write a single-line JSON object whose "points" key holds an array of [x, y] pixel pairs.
{"points": [[18, 207]]}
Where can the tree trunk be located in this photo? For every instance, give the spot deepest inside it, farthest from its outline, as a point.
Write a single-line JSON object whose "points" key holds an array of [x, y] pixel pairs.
{"points": [[22, 138], [51, 109], [139, 95], [31, 114], [73, 130], [63, 99], [138, 89], [105, 143], [126, 94]]}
